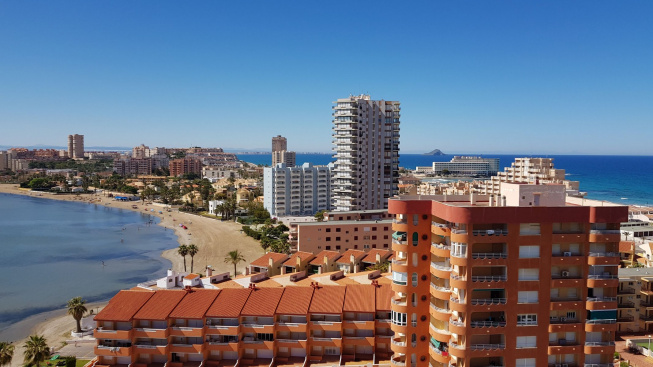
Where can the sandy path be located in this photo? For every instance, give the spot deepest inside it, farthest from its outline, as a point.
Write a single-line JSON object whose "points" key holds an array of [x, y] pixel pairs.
{"points": [[214, 239]]}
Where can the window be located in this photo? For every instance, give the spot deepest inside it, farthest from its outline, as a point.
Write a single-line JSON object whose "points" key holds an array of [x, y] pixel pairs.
{"points": [[414, 299], [328, 229], [385, 237], [355, 229], [527, 297], [327, 247], [529, 252], [385, 228], [529, 274], [337, 229], [527, 319], [338, 247], [413, 320], [525, 362], [337, 238], [328, 239], [374, 229], [526, 342], [355, 238], [373, 237], [399, 278], [398, 318], [414, 279], [571, 315], [529, 229]]}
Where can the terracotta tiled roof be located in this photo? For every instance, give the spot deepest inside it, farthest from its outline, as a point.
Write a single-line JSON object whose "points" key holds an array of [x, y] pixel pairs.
{"points": [[262, 302], [371, 255], [383, 295], [626, 246], [229, 303], [295, 301], [264, 262], [195, 304], [304, 256], [269, 283], [319, 258], [359, 298], [346, 256], [160, 305], [328, 299], [123, 306], [345, 281], [191, 276]]}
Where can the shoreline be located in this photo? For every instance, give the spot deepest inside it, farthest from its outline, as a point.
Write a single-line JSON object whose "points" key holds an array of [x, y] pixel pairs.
{"points": [[214, 239]]}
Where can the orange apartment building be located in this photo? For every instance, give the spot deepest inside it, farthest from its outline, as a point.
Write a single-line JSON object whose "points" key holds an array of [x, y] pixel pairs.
{"points": [[291, 326], [341, 231], [182, 166], [520, 279]]}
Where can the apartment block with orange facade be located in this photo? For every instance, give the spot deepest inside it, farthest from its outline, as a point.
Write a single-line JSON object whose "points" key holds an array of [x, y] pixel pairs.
{"points": [[301, 326], [183, 166], [520, 279]]}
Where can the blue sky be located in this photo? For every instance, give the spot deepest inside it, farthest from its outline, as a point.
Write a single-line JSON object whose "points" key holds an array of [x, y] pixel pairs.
{"points": [[533, 77]]}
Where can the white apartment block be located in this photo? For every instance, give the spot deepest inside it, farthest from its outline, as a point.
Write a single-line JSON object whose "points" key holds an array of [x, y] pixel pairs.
{"points": [[215, 173], [468, 166], [302, 190], [366, 139], [530, 170]]}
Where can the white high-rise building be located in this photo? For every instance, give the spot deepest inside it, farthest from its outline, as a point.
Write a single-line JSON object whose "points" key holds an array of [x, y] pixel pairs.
{"points": [[366, 139], [302, 190]]}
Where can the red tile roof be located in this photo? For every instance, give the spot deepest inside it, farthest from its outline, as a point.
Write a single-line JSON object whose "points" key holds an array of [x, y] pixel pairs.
{"points": [[195, 304], [359, 298], [264, 262], [346, 256], [626, 246], [295, 301], [159, 306], [304, 256], [319, 258], [123, 306], [262, 302], [191, 276], [328, 299], [384, 293], [229, 303], [371, 255]]}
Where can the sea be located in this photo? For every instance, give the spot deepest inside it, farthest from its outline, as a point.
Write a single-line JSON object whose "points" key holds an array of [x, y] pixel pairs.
{"points": [[620, 179], [52, 251]]}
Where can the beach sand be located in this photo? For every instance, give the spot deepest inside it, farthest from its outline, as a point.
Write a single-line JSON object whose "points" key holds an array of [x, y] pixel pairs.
{"points": [[213, 237]]}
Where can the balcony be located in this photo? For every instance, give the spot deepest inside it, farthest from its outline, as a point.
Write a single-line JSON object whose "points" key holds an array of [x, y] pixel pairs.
{"points": [[102, 333], [326, 325], [599, 347], [488, 278], [221, 330], [602, 281], [440, 250], [291, 327], [107, 350], [440, 269], [487, 324], [564, 347], [601, 325], [150, 349], [489, 255], [257, 328], [440, 292], [186, 348], [603, 258], [440, 313], [488, 301]]}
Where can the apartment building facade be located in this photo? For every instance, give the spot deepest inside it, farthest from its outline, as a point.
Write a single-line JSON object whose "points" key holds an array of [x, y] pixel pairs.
{"points": [[342, 231], [366, 147], [481, 282], [76, 146], [635, 300], [300, 190], [468, 166], [183, 166], [133, 166], [247, 326]]}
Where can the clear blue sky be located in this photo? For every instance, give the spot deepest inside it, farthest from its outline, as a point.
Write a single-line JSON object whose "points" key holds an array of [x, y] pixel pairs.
{"points": [[535, 77]]}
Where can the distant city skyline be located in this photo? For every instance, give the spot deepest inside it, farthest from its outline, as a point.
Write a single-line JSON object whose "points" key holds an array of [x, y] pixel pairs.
{"points": [[499, 77]]}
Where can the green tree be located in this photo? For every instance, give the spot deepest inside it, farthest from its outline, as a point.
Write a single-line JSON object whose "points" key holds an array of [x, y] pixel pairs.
{"points": [[86, 182], [192, 251], [234, 257], [183, 251], [320, 215], [77, 309], [382, 267], [36, 351], [6, 353]]}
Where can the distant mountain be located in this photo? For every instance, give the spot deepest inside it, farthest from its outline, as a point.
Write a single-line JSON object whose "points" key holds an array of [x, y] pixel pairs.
{"points": [[435, 152]]}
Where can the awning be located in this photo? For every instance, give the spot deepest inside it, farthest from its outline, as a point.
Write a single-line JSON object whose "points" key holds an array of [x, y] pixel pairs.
{"points": [[54, 357], [399, 235]]}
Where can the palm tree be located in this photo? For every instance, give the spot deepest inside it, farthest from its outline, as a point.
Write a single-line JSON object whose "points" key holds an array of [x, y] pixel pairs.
{"points": [[192, 251], [6, 353], [77, 310], [36, 351], [234, 257], [183, 251]]}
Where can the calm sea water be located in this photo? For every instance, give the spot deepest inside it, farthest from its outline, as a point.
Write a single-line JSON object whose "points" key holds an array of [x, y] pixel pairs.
{"points": [[52, 251], [619, 179]]}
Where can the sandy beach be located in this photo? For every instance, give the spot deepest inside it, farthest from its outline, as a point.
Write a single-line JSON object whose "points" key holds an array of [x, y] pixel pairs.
{"points": [[213, 237]]}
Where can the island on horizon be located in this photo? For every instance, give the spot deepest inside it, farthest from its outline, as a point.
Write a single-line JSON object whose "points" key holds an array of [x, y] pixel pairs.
{"points": [[435, 152]]}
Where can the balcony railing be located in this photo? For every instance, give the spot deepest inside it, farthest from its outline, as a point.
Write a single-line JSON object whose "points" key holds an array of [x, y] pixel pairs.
{"points": [[599, 344], [601, 299], [489, 301], [458, 231], [457, 323], [440, 309], [605, 231], [489, 278], [602, 276], [487, 346], [626, 291], [603, 254], [490, 232], [440, 246], [441, 266], [489, 255], [601, 321], [441, 289], [484, 324]]}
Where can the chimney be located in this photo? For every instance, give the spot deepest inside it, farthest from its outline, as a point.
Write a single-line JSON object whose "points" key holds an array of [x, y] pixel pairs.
{"points": [[503, 200], [491, 200], [472, 198], [209, 271]]}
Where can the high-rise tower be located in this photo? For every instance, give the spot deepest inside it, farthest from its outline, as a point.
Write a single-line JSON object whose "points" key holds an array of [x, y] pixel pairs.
{"points": [[366, 139], [280, 153], [76, 146]]}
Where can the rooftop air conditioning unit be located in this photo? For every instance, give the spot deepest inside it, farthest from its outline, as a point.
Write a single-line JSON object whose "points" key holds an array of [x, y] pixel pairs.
{"points": [[565, 274], [566, 253]]}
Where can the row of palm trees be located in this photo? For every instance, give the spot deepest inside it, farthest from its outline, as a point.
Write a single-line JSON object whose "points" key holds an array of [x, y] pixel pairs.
{"points": [[36, 351], [233, 257]]}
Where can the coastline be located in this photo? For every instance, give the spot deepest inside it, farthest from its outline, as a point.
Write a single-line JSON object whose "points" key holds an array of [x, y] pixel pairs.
{"points": [[214, 239]]}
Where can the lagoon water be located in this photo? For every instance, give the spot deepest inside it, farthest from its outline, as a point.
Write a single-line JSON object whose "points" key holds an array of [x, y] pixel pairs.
{"points": [[52, 251]]}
